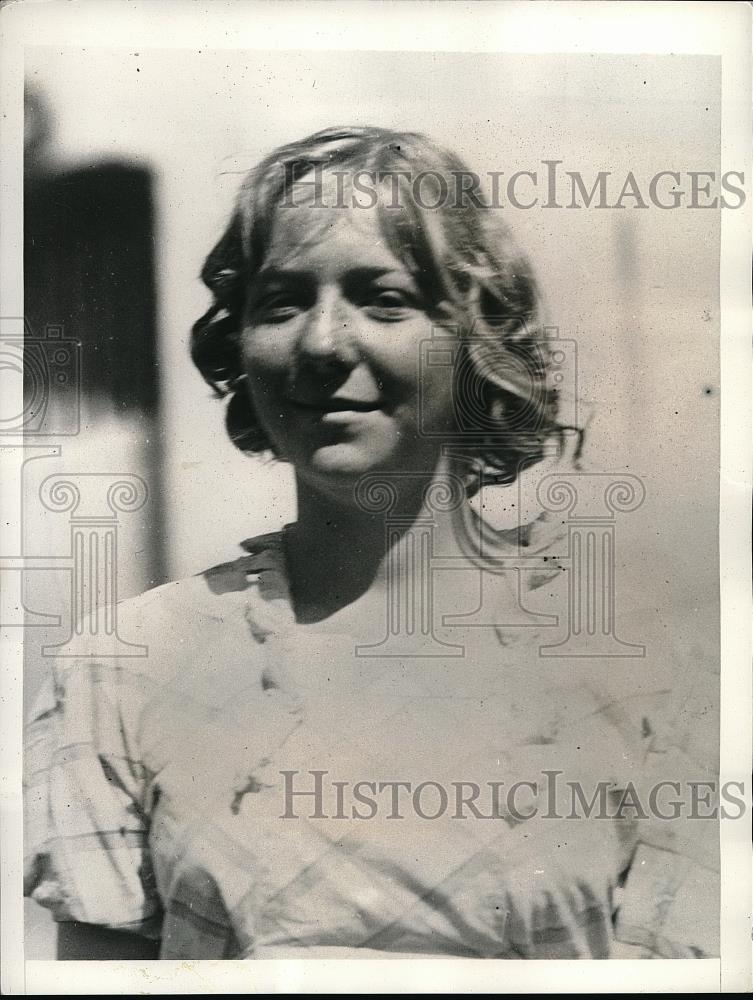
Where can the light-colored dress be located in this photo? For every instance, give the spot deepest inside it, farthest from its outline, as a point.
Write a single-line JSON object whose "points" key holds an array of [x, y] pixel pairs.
{"points": [[206, 793]]}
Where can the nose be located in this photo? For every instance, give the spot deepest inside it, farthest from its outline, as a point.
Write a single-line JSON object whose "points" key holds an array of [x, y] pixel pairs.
{"points": [[327, 338]]}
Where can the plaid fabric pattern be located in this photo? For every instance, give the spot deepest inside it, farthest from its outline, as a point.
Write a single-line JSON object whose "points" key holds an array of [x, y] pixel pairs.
{"points": [[155, 793], [87, 827]]}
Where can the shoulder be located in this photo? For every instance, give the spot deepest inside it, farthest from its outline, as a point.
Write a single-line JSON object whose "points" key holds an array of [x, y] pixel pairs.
{"points": [[197, 631], [218, 593], [211, 594]]}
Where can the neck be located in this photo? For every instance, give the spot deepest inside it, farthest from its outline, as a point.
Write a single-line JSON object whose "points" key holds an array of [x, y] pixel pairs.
{"points": [[339, 552]]}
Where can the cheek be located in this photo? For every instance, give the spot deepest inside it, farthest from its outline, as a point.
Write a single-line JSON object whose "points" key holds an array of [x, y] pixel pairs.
{"points": [[264, 359], [266, 376], [398, 356], [437, 381]]}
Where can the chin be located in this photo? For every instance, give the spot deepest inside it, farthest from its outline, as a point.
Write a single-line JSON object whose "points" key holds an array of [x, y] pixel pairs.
{"points": [[347, 461], [336, 469]]}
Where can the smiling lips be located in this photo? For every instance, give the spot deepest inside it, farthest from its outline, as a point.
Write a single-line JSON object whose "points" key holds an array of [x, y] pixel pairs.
{"points": [[335, 405]]}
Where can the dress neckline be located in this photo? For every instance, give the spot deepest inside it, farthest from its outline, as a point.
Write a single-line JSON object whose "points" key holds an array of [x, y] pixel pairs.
{"points": [[270, 603]]}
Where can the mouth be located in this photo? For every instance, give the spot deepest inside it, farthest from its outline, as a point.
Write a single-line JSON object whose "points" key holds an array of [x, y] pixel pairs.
{"points": [[335, 404]]}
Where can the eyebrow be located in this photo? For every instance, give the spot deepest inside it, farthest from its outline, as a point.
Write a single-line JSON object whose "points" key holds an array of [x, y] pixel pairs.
{"points": [[274, 272]]}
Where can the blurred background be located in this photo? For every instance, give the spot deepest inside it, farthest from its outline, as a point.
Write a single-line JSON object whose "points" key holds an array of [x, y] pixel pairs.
{"points": [[133, 159]]}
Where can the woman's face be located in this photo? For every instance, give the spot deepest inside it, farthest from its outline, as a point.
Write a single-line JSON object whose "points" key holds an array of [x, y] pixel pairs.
{"points": [[332, 342]]}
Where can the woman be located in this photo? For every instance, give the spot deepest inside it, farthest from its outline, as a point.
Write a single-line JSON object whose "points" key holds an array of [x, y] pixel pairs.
{"points": [[321, 754]]}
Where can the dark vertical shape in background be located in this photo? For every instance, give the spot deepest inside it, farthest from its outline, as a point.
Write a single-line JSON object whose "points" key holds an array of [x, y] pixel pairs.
{"points": [[89, 266]]}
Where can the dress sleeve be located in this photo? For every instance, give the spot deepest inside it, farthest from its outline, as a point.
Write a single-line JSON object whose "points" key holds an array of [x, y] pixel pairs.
{"points": [[86, 855], [669, 906]]}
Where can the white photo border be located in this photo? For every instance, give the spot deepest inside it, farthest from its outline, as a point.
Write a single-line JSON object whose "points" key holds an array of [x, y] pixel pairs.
{"points": [[722, 29]]}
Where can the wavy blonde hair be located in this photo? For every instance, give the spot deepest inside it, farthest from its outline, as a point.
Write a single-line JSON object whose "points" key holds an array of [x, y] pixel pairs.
{"points": [[461, 255]]}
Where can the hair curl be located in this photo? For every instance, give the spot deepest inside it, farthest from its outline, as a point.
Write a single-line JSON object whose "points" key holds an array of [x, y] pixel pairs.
{"points": [[461, 255]]}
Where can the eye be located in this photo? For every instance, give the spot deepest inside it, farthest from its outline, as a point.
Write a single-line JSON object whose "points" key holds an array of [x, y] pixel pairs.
{"points": [[388, 304], [276, 307]]}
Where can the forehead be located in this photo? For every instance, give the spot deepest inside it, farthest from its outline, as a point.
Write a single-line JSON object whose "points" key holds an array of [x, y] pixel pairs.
{"points": [[321, 223]]}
